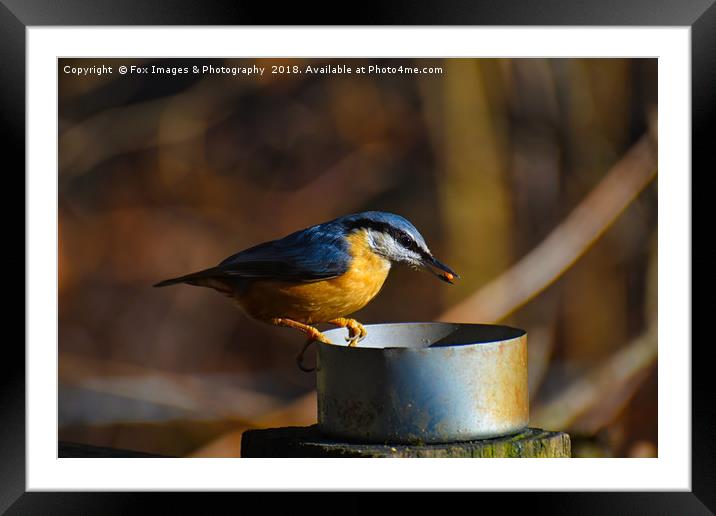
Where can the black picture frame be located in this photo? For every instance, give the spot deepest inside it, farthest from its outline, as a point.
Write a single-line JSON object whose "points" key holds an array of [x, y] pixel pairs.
{"points": [[17, 15]]}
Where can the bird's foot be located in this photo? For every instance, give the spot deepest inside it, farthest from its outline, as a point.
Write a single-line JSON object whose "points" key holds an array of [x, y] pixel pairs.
{"points": [[356, 331], [314, 336]]}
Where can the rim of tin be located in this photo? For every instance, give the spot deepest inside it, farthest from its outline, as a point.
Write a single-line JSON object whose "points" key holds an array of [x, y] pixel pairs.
{"points": [[510, 334]]}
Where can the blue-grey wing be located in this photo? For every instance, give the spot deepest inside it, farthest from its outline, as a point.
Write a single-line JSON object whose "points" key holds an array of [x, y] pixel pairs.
{"points": [[311, 254]]}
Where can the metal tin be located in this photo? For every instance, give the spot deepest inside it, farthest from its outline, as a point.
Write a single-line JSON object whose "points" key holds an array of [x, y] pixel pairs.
{"points": [[424, 383]]}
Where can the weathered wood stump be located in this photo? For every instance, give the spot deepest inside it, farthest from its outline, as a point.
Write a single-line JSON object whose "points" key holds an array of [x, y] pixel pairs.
{"points": [[308, 442]]}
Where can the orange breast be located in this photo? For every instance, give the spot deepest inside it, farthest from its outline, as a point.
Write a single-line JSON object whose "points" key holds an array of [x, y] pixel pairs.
{"points": [[321, 301]]}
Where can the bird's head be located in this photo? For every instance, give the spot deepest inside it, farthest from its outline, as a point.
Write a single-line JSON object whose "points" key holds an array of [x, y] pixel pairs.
{"points": [[396, 239]]}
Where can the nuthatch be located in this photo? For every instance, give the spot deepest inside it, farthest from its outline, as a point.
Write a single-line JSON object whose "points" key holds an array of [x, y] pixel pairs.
{"points": [[320, 274]]}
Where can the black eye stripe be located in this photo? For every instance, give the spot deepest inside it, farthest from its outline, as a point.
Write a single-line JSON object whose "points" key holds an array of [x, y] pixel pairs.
{"points": [[398, 235], [406, 241]]}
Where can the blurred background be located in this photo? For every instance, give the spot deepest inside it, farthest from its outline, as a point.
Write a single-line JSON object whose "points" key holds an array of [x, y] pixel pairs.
{"points": [[535, 179]]}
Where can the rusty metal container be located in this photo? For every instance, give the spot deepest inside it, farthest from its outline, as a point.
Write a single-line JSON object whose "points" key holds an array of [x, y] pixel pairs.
{"points": [[424, 383]]}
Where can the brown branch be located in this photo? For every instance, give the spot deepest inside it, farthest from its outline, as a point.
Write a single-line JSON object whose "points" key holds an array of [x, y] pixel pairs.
{"points": [[193, 393], [623, 369], [565, 244]]}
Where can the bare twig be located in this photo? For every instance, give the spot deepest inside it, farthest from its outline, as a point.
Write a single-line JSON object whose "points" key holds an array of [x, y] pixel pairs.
{"points": [[200, 394], [568, 242], [589, 391], [145, 125]]}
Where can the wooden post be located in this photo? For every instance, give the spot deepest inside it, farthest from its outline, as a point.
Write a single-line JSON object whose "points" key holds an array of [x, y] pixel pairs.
{"points": [[308, 442]]}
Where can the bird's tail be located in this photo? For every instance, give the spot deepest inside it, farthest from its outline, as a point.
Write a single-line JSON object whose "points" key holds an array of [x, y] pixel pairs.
{"points": [[195, 278]]}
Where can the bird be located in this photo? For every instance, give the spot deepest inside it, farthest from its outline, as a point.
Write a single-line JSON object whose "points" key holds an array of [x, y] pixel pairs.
{"points": [[320, 274]]}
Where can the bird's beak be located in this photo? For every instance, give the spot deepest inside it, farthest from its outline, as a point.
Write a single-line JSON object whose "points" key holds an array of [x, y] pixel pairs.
{"points": [[441, 270]]}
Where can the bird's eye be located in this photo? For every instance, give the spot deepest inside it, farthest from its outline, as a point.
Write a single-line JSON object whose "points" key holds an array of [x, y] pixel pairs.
{"points": [[405, 240]]}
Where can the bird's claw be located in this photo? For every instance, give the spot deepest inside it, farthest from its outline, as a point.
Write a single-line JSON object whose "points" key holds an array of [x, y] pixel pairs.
{"points": [[354, 339], [314, 337], [356, 333], [299, 359]]}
